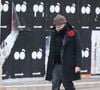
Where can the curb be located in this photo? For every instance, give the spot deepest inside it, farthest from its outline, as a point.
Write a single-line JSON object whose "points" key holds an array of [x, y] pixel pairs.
{"points": [[79, 85], [41, 84], [87, 84]]}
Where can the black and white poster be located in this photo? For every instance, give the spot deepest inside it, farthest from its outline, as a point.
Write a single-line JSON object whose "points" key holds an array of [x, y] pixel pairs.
{"points": [[25, 34], [5, 26]]}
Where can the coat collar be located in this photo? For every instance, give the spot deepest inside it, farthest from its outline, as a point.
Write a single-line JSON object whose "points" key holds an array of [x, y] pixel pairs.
{"points": [[66, 29], [67, 38]]}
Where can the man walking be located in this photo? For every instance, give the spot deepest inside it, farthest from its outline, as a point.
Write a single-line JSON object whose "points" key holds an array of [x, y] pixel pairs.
{"points": [[64, 60]]}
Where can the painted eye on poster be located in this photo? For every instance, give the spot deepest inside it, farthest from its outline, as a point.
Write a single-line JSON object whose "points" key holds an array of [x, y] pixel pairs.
{"points": [[97, 10], [83, 10], [55, 8], [52, 8], [22, 54], [86, 10], [34, 55], [85, 53], [70, 9], [21, 8], [67, 9], [38, 8], [35, 9], [37, 55], [16, 55], [4, 7]]}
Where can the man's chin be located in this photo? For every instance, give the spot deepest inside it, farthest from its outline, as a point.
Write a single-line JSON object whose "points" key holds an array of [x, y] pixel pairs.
{"points": [[58, 29]]}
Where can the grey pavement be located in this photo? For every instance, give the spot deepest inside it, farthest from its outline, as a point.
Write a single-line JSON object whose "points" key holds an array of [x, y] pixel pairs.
{"points": [[92, 83], [90, 88]]}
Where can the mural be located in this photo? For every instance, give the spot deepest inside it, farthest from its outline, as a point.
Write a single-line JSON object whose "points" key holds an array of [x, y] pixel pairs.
{"points": [[25, 34]]}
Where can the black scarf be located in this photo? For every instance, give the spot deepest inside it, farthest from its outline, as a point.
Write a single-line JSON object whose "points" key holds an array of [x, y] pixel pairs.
{"points": [[58, 37]]}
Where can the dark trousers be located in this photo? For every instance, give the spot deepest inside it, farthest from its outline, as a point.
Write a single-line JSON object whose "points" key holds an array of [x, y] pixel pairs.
{"points": [[57, 79]]}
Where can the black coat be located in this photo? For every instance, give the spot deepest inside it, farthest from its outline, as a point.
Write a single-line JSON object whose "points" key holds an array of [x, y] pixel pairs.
{"points": [[70, 55]]}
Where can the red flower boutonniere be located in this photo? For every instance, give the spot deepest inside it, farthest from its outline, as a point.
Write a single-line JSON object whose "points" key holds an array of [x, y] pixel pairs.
{"points": [[71, 33]]}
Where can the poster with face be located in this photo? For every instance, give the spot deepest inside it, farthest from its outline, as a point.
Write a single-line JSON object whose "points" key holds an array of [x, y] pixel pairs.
{"points": [[86, 13], [5, 19], [65, 7], [27, 56], [86, 50], [96, 24], [31, 14], [53, 8], [29, 19]]}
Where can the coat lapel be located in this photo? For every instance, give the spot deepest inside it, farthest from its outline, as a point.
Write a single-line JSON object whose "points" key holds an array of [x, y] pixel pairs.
{"points": [[66, 40]]}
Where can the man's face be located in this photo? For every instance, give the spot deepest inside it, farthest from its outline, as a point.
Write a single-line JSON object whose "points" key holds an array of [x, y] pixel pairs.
{"points": [[59, 26]]}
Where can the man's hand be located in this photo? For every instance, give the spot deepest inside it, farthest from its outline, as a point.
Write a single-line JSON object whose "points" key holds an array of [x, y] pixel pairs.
{"points": [[77, 69]]}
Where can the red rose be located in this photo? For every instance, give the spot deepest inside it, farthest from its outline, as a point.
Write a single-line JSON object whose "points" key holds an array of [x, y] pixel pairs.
{"points": [[71, 33]]}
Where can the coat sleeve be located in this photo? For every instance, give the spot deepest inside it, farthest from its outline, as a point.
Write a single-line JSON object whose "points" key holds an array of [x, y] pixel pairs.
{"points": [[78, 48]]}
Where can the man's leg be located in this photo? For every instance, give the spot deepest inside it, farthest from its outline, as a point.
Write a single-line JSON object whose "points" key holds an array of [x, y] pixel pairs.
{"points": [[69, 85], [56, 77]]}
